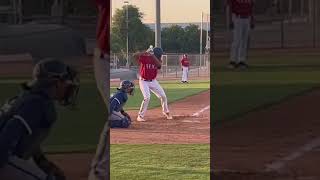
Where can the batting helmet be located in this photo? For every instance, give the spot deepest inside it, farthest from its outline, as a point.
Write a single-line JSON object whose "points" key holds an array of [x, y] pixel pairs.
{"points": [[47, 72], [158, 52], [127, 86]]}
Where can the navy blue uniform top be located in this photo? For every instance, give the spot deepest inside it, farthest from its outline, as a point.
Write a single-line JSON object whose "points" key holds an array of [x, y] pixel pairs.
{"points": [[31, 117], [118, 100]]}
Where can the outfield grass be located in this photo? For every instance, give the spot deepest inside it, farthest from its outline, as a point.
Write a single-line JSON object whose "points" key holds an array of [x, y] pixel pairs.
{"points": [[174, 91], [268, 80], [161, 162]]}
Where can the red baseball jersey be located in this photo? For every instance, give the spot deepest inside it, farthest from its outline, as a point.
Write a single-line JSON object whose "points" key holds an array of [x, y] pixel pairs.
{"points": [[242, 8], [185, 62], [148, 68], [103, 25]]}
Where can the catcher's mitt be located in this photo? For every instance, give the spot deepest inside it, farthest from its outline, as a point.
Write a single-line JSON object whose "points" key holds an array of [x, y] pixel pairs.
{"points": [[126, 115]]}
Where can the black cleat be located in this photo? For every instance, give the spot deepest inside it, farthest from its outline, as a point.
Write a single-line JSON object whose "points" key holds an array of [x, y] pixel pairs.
{"points": [[243, 65], [232, 65]]}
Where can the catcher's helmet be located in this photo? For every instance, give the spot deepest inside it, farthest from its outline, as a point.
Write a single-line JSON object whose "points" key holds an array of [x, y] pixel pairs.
{"points": [[158, 52], [47, 72], [127, 86]]}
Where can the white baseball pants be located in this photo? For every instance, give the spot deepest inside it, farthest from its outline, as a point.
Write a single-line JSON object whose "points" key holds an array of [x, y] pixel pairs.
{"points": [[185, 71], [155, 88], [240, 39]]}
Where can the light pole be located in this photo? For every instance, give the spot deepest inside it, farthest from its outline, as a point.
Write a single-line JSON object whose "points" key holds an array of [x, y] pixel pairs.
{"points": [[127, 20], [158, 25], [201, 27]]}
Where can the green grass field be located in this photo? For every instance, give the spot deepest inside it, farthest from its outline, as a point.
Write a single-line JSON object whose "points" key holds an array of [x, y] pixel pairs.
{"points": [[268, 80], [163, 162], [174, 91]]}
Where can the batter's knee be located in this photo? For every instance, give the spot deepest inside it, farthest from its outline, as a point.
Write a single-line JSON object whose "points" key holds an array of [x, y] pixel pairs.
{"points": [[146, 99], [163, 97]]}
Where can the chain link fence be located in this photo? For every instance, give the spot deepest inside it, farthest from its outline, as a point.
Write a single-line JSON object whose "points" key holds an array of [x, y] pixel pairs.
{"points": [[293, 26], [171, 67], [275, 33]]}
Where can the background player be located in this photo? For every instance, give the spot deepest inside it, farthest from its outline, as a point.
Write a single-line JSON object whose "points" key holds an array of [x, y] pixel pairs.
{"points": [[119, 118], [150, 62], [26, 120], [241, 19], [185, 68]]}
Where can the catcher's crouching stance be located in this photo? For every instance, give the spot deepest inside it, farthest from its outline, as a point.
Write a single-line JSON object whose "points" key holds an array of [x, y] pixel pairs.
{"points": [[26, 120], [118, 117]]}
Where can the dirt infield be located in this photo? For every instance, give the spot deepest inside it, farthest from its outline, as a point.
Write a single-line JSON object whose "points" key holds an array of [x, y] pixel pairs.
{"points": [[281, 142], [184, 128]]}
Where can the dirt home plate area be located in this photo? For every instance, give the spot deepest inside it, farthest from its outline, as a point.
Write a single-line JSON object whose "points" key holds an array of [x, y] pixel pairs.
{"points": [[186, 127], [280, 142]]}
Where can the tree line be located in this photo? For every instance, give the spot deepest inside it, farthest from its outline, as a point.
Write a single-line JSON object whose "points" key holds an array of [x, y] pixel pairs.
{"points": [[174, 39]]}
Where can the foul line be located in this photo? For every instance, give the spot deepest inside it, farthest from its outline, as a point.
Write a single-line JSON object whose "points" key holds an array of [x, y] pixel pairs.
{"points": [[189, 121], [278, 165], [201, 111]]}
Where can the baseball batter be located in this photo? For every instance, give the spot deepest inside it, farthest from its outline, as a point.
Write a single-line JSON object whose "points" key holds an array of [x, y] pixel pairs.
{"points": [[241, 14], [185, 68], [150, 62]]}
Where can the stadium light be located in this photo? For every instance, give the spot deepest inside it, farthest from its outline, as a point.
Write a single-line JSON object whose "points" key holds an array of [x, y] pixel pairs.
{"points": [[158, 24]]}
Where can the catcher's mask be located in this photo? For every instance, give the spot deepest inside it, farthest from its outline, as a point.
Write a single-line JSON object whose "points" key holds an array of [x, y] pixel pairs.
{"points": [[127, 86], [53, 72]]}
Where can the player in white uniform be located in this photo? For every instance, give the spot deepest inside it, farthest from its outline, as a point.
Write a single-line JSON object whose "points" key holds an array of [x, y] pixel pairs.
{"points": [[150, 63]]}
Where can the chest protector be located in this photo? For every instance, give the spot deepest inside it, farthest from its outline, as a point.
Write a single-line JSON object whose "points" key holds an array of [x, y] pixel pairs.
{"points": [[29, 144]]}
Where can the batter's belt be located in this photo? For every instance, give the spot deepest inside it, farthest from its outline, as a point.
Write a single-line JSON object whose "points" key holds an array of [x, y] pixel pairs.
{"points": [[149, 80]]}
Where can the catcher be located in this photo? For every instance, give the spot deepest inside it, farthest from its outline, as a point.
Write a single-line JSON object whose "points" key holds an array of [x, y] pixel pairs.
{"points": [[25, 122], [118, 117]]}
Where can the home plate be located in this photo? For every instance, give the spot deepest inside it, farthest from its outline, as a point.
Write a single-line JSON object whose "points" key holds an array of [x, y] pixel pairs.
{"points": [[190, 121]]}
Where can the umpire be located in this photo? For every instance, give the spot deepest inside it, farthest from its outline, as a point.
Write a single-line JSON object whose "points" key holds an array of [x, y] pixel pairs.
{"points": [[26, 119]]}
